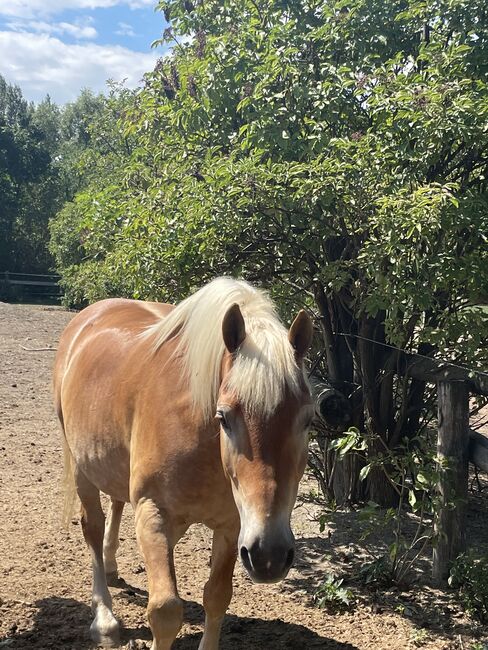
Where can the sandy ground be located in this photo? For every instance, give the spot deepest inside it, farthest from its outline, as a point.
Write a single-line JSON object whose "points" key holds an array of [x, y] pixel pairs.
{"points": [[45, 575]]}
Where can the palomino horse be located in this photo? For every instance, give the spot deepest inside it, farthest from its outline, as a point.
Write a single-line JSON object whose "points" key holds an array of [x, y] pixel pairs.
{"points": [[197, 413]]}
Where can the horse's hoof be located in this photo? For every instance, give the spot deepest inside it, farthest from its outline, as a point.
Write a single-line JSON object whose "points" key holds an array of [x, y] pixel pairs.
{"points": [[101, 641], [105, 631], [113, 579]]}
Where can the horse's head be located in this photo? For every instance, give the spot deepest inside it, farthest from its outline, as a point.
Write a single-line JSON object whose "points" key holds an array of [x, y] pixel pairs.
{"points": [[264, 450]]}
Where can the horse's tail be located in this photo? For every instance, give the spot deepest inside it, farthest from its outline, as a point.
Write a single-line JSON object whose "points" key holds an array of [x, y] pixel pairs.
{"points": [[68, 484]]}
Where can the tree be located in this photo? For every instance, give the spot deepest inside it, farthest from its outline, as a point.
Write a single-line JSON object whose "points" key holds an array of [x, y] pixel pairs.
{"points": [[40, 147], [335, 152], [23, 161], [101, 153]]}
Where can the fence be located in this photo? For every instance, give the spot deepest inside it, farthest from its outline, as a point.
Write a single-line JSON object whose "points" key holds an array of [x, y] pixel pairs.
{"points": [[20, 286], [460, 445], [456, 442]]}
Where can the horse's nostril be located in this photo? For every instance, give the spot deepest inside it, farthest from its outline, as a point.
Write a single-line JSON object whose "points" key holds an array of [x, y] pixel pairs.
{"points": [[246, 561], [266, 563], [289, 558]]}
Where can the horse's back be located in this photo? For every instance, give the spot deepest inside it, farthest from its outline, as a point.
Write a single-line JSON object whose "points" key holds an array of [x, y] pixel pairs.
{"points": [[110, 327], [95, 375], [121, 314]]}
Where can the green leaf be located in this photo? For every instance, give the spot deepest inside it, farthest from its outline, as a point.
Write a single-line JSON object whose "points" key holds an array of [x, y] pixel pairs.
{"points": [[364, 472], [412, 499]]}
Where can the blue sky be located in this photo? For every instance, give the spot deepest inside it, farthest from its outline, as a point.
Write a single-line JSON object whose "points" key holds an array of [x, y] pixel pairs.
{"points": [[61, 46]]}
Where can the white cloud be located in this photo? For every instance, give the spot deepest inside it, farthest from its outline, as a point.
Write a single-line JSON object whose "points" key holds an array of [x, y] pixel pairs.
{"points": [[140, 4], [40, 8], [79, 30], [124, 29], [42, 64]]}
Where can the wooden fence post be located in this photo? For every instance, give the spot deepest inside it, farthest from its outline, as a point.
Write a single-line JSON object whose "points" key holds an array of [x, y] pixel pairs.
{"points": [[5, 286], [452, 444]]}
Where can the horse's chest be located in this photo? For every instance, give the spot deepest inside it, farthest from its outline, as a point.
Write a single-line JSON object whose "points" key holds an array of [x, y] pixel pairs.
{"points": [[190, 484]]}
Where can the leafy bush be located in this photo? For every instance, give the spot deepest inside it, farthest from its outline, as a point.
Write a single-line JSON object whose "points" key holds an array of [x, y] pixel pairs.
{"points": [[332, 595], [412, 469], [470, 577], [378, 571]]}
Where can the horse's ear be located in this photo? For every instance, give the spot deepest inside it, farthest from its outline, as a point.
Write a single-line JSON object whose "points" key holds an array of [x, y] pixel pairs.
{"points": [[233, 328], [301, 333]]}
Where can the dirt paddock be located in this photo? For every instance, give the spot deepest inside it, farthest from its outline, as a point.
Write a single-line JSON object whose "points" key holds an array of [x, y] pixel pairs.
{"points": [[45, 576]]}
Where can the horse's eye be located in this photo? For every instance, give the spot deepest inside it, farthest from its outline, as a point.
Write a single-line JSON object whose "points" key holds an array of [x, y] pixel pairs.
{"points": [[220, 415]]}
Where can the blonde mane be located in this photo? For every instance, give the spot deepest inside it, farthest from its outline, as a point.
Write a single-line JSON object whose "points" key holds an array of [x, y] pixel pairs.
{"points": [[264, 365]]}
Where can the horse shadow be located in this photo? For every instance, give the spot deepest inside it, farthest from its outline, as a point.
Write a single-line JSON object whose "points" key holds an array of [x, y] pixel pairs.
{"points": [[57, 623], [245, 633], [63, 624]]}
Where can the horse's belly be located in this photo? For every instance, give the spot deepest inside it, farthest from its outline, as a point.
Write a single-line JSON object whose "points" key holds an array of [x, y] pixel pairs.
{"points": [[103, 459], [97, 421], [98, 443]]}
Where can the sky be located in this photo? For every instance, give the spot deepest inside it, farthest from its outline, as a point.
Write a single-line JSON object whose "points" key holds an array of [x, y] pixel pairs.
{"points": [[59, 47]]}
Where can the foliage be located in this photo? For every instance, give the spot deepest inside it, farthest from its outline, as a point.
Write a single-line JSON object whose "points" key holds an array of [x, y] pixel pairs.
{"points": [[419, 638], [336, 154], [470, 577], [413, 471], [81, 248], [38, 154], [332, 595], [23, 167], [377, 572]]}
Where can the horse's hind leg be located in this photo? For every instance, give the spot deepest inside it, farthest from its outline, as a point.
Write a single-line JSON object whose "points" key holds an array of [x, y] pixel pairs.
{"points": [[111, 541], [105, 628], [218, 589]]}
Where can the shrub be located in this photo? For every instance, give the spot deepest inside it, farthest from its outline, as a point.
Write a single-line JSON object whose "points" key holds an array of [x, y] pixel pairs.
{"points": [[470, 577], [332, 595]]}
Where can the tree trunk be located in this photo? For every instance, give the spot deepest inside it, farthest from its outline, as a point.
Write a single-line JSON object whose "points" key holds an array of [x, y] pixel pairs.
{"points": [[380, 490], [340, 369], [345, 480]]}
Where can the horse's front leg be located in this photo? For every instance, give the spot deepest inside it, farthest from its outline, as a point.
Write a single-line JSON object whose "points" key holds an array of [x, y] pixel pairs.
{"points": [[157, 537], [218, 589]]}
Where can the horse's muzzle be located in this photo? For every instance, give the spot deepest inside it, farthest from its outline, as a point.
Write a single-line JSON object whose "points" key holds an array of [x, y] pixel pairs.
{"points": [[267, 562]]}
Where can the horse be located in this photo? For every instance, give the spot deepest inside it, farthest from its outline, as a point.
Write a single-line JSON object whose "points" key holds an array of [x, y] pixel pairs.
{"points": [[193, 413]]}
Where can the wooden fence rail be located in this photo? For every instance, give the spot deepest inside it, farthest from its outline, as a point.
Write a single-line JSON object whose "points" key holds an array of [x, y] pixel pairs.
{"points": [[478, 450], [21, 285]]}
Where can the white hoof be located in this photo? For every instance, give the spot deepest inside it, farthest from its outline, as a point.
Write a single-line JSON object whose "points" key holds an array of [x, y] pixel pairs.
{"points": [[105, 629]]}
